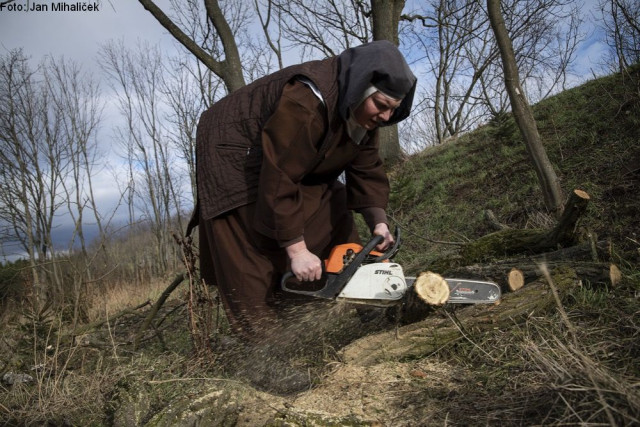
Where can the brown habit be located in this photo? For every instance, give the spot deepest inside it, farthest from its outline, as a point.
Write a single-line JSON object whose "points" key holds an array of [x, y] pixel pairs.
{"points": [[269, 161]]}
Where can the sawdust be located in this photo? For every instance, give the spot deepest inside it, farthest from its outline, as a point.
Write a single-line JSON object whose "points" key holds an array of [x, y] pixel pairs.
{"points": [[387, 394], [326, 342]]}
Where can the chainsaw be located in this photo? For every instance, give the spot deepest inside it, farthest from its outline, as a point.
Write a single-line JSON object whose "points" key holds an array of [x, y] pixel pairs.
{"points": [[359, 275]]}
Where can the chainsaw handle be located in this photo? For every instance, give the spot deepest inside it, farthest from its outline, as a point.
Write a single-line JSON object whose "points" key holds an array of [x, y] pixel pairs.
{"points": [[393, 250], [336, 282]]}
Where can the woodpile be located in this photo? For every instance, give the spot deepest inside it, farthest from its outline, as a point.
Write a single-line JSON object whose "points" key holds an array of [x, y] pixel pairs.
{"points": [[513, 258]]}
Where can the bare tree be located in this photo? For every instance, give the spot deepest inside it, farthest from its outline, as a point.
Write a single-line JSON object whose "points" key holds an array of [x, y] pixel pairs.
{"points": [[549, 183], [189, 90], [621, 20], [47, 115], [462, 59], [76, 96], [138, 77], [202, 38], [324, 28], [267, 14]]}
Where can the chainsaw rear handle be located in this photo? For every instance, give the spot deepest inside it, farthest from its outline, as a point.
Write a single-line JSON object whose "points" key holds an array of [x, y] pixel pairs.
{"points": [[391, 252], [335, 282]]}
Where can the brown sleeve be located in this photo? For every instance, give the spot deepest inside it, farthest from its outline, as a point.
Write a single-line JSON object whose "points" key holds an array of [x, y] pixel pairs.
{"points": [[366, 179], [373, 216], [289, 141]]}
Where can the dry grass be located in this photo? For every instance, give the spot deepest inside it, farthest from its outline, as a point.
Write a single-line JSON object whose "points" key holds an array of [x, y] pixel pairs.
{"points": [[107, 300], [70, 377], [574, 366]]}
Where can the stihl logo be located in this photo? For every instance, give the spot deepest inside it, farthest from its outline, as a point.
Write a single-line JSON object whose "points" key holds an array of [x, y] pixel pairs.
{"points": [[382, 272]]}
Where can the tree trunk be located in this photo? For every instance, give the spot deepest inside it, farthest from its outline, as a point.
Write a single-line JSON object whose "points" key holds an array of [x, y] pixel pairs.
{"points": [[517, 274], [229, 69], [385, 16], [523, 114]]}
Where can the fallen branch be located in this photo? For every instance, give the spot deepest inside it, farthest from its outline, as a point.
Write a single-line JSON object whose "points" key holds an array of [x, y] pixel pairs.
{"points": [[508, 274], [530, 241], [156, 307], [81, 330]]}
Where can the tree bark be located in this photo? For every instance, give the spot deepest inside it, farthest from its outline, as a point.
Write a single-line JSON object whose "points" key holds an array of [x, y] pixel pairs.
{"points": [[229, 69], [513, 276], [385, 16], [549, 183]]}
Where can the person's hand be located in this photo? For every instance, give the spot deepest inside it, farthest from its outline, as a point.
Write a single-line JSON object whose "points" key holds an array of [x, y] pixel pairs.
{"points": [[382, 229], [304, 265]]}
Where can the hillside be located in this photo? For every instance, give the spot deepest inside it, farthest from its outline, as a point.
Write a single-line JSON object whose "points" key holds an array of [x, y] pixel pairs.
{"points": [[572, 362], [592, 137]]}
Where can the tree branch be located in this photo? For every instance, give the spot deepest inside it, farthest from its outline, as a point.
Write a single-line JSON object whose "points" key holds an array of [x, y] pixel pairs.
{"points": [[180, 36]]}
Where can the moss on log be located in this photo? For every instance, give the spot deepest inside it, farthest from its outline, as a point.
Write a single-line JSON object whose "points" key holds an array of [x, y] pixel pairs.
{"points": [[530, 241], [505, 243]]}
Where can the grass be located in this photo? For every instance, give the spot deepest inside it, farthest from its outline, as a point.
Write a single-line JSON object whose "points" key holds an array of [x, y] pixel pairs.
{"points": [[577, 365], [105, 301], [541, 373]]}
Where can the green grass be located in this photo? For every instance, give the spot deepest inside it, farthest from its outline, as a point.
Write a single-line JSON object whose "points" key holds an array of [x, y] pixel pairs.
{"points": [[592, 137], [565, 371]]}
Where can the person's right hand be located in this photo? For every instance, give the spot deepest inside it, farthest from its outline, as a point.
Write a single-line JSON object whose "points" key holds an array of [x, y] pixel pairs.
{"points": [[304, 264]]}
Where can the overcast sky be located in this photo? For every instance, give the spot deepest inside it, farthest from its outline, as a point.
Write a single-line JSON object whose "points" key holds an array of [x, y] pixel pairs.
{"points": [[78, 35]]}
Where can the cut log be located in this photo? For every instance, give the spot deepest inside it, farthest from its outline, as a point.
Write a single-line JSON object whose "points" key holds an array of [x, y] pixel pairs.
{"points": [[431, 288], [595, 273], [531, 241], [430, 291], [515, 279], [421, 339]]}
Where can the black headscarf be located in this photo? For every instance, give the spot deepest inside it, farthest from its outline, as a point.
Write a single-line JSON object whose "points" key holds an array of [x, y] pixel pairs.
{"points": [[380, 64]]}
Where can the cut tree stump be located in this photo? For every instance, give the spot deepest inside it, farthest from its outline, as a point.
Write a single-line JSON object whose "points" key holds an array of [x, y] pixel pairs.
{"points": [[531, 241], [431, 288]]}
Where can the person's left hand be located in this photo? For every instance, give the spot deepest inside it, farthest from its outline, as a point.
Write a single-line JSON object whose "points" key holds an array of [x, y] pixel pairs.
{"points": [[382, 229]]}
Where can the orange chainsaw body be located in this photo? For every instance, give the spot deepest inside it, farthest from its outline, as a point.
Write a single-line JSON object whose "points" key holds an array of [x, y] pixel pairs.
{"points": [[341, 255]]}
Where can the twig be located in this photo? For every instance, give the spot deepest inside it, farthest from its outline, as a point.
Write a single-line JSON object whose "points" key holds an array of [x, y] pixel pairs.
{"points": [[427, 238], [574, 337], [193, 379], [459, 327], [156, 307]]}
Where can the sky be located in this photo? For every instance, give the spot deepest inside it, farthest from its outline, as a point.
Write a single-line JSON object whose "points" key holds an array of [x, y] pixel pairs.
{"points": [[78, 35]]}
